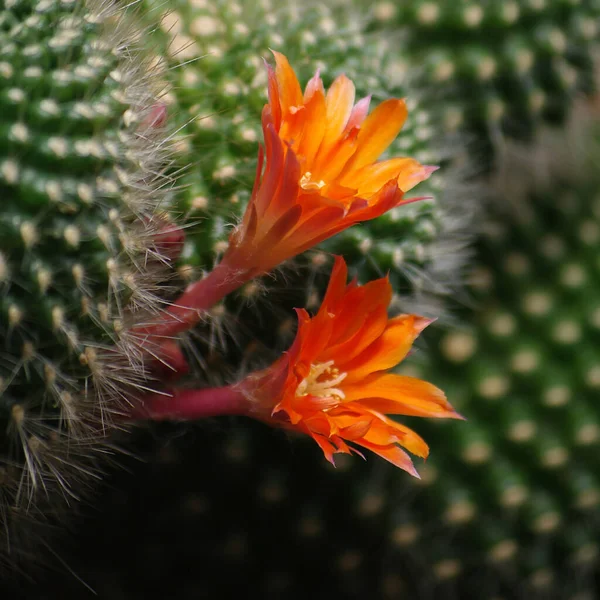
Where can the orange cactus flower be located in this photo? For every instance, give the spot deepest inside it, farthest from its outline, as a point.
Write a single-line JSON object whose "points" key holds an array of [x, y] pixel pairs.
{"points": [[321, 176], [333, 383]]}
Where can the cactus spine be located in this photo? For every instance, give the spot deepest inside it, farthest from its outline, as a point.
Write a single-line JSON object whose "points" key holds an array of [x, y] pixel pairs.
{"points": [[81, 177]]}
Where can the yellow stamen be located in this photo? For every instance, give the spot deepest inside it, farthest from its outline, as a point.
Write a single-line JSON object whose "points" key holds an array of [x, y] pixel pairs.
{"points": [[307, 184], [324, 388]]}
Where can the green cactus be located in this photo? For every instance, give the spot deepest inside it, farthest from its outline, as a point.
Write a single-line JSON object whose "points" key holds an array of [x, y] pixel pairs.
{"points": [[503, 67], [82, 157], [524, 366]]}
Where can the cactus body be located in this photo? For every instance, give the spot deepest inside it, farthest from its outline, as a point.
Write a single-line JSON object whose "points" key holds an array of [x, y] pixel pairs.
{"points": [[80, 180], [504, 68], [525, 364]]}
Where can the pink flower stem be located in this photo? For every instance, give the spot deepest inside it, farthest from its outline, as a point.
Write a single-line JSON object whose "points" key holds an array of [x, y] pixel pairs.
{"points": [[191, 404], [187, 310]]}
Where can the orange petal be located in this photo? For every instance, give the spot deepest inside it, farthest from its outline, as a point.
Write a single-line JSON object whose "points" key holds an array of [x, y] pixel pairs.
{"points": [[342, 194], [293, 128], [312, 136], [274, 105], [284, 198], [322, 224], [356, 430], [382, 431], [358, 303], [401, 395], [373, 326], [275, 160], [342, 447], [313, 403], [359, 113], [333, 162], [406, 437], [340, 100], [407, 180], [391, 407], [316, 336], [290, 92], [326, 446], [315, 84], [326, 221], [389, 196], [268, 241], [336, 286], [392, 454], [388, 350], [347, 327], [320, 423], [285, 406], [377, 132], [372, 178]]}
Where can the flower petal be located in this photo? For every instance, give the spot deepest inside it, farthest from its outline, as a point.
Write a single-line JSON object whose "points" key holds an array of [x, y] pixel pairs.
{"points": [[310, 402], [336, 286], [388, 350], [315, 84], [393, 454], [384, 428], [383, 431], [290, 92], [321, 225], [340, 100], [359, 301], [377, 132], [326, 446], [334, 160], [344, 345], [356, 430], [279, 229], [315, 334], [373, 326], [370, 179], [274, 105], [315, 116], [275, 157], [400, 395], [359, 113], [389, 196]]}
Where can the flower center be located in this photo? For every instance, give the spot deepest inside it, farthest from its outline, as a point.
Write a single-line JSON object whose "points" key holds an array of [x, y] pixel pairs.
{"points": [[322, 381], [306, 182]]}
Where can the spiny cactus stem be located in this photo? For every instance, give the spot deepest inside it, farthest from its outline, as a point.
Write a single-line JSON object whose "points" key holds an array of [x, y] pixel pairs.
{"points": [[192, 404]]}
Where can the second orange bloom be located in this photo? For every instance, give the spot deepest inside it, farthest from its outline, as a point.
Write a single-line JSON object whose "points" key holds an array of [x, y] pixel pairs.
{"points": [[333, 383]]}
